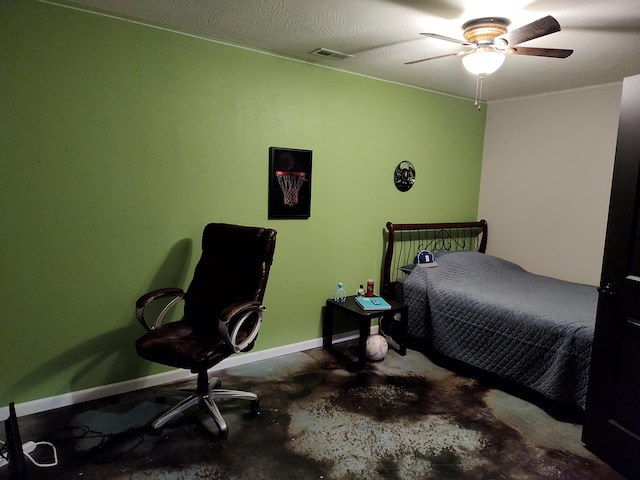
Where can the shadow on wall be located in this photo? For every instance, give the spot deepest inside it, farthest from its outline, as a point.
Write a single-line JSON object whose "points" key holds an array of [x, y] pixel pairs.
{"points": [[173, 271], [87, 356]]}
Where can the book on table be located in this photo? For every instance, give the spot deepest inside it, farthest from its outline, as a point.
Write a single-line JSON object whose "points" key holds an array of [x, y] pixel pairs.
{"points": [[372, 303]]}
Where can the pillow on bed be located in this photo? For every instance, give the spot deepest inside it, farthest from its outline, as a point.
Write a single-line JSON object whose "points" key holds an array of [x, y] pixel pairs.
{"points": [[446, 252], [423, 258], [408, 268]]}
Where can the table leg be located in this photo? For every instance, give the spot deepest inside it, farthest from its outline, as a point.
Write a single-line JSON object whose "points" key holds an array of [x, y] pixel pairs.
{"points": [[404, 321], [327, 327], [365, 329]]}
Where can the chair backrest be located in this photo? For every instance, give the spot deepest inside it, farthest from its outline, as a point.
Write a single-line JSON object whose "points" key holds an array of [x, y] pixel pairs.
{"points": [[234, 267]]}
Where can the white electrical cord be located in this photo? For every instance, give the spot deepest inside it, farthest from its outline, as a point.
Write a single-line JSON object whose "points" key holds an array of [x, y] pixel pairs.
{"points": [[4, 457], [28, 448]]}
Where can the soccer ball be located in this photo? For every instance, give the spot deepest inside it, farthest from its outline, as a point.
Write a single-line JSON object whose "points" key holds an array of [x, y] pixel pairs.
{"points": [[376, 348]]}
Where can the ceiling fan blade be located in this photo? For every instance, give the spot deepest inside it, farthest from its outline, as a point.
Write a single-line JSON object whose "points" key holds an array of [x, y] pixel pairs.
{"points": [[541, 52], [539, 28], [448, 39], [436, 57]]}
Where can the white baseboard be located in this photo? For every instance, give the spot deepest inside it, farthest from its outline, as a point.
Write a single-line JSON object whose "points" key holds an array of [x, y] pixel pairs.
{"points": [[72, 398]]}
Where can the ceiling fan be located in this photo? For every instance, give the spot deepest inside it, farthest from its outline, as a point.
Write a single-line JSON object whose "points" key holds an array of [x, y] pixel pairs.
{"points": [[489, 41]]}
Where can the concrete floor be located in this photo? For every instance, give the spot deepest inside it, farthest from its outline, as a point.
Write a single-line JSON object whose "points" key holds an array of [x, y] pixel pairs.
{"points": [[402, 418]]}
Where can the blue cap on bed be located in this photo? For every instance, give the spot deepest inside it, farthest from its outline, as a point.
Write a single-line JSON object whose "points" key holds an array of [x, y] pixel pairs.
{"points": [[424, 258]]}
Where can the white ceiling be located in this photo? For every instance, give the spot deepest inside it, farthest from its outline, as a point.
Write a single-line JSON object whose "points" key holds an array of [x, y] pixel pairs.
{"points": [[384, 34]]}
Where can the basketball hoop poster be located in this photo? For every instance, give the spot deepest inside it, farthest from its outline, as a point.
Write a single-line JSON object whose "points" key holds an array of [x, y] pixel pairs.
{"points": [[289, 183]]}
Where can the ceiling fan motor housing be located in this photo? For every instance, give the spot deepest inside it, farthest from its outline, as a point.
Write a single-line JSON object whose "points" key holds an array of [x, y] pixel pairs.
{"points": [[484, 30]]}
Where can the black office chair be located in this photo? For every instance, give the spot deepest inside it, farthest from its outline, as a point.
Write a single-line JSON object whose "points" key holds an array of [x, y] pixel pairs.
{"points": [[222, 314]]}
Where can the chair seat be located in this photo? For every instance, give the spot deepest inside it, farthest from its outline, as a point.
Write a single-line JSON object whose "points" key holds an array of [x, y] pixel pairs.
{"points": [[178, 345]]}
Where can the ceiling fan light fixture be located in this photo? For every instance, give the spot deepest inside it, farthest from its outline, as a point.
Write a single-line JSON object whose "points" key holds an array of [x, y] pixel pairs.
{"points": [[483, 62]]}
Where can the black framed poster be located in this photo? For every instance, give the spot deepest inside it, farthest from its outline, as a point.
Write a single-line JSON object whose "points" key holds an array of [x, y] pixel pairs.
{"points": [[289, 183]]}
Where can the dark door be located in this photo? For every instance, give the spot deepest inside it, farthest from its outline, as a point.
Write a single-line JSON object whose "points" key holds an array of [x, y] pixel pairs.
{"points": [[612, 417]]}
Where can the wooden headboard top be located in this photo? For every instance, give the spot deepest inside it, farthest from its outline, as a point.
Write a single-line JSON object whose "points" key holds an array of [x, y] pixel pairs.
{"points": [[404, 240]]}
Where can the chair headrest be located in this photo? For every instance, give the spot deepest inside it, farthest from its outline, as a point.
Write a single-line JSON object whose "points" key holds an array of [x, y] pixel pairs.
{"points": [[239, 243]]}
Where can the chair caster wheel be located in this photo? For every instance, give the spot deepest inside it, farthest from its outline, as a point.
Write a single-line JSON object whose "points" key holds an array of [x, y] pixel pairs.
{"points": [[255, 406], [222, 434]]}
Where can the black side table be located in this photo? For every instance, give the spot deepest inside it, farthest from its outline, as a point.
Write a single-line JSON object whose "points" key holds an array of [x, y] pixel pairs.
{"points": [[387, 317]]}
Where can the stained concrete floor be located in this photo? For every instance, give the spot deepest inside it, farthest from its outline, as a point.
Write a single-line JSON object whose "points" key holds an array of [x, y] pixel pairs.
{"points": [[402, 418]]}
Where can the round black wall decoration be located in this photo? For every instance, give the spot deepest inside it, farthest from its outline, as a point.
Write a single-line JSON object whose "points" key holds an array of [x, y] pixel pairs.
{"points": [[404, 176]]}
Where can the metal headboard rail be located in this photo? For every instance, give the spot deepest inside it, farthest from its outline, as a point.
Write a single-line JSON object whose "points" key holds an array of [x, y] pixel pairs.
{"points": [[406, 239]]}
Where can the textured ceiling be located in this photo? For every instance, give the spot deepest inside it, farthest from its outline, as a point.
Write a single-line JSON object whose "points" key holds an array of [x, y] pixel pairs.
{"points": [[384, 34]]}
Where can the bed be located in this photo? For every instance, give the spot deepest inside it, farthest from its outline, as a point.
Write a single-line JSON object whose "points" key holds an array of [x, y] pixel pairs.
{"points": [[491, 314]]}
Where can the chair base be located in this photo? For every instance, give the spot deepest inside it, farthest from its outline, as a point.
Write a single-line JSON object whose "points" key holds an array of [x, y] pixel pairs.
{"points": [[206, 398]]}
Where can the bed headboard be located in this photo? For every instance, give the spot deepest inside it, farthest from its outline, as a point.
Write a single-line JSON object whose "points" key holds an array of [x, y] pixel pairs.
{"points": [[404, 240]]}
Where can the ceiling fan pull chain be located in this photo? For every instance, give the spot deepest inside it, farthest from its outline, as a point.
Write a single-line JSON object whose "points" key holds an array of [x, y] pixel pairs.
{"points": [[478, 99]]}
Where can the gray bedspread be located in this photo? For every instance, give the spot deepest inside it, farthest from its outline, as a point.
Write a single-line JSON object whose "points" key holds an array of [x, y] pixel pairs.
{"points": [[495, 315]]}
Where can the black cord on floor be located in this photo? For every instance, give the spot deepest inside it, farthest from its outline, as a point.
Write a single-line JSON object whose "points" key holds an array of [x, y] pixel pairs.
{"points": [[110, 447]]}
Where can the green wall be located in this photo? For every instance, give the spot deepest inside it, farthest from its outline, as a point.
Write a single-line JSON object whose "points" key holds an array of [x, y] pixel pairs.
{"points": [[119, 142]]}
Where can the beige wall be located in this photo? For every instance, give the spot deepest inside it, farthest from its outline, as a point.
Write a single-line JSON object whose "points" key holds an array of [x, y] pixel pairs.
{"points": [[546, 179]]}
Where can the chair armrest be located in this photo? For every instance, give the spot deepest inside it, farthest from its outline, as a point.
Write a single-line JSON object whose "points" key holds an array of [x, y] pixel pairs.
{"points": [[176, 295], [241, 317]]}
